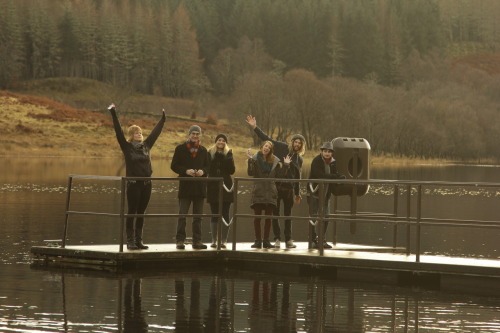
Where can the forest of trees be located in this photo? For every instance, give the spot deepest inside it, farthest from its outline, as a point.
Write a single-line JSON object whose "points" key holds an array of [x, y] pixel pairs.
{"points": [[384, 70]]}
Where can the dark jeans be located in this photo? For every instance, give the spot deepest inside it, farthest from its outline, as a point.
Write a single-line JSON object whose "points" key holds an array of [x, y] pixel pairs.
{"points": [[313, 202], [214, 207], [184, 204], [287, 196], [138, 195]]}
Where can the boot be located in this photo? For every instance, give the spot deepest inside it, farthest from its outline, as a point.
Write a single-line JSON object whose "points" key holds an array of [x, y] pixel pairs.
{"points": [[257, 244], [266, 244], [213, 230], [138, 236], [130, 238]]}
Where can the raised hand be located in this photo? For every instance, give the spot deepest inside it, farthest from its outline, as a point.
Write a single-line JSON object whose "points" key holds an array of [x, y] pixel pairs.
{"points": [[251, 121], [249, 153], [287, 159], [111, 107]]}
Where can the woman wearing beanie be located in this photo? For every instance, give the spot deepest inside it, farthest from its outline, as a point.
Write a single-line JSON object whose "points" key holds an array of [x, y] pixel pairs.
{"points": [[264, 164], [221, 165]]}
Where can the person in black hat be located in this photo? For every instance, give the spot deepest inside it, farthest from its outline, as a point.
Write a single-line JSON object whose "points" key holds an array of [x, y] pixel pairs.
{"points": [[221, 165], [288, 192], [137, 155], [323, 166], [191, 160]]}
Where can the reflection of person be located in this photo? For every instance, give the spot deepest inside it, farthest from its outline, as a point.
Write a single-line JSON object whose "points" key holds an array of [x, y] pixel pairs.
{"points": [[264, 194], [191, 160], [184, 321], [286, 321], [260, 318], [221, 165], [287, 192], [323, 166], [217, 317], [134, 321], [138, 164], [181, 322]]}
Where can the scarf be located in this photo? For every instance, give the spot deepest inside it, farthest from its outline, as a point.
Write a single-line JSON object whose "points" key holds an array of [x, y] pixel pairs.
{"points": [[193, 147], [327, 164], [265, 166]]}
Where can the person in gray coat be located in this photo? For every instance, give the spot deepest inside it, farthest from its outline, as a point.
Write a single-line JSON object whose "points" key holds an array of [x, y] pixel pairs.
{"points": [[264, 164]]}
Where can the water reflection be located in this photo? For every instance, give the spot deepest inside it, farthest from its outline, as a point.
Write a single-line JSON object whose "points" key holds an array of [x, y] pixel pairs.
{"points": [[208, 301], [134, 321]]}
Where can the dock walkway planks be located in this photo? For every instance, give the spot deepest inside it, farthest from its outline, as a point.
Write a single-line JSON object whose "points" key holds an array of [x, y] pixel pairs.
{"points": [[343, 262]]}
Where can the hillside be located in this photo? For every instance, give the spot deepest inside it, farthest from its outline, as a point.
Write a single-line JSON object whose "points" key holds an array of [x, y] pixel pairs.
{"points": [[39, 126]]}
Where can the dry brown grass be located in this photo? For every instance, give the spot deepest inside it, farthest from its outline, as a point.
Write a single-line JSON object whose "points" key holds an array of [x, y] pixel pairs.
{"points": [[38, 126]]}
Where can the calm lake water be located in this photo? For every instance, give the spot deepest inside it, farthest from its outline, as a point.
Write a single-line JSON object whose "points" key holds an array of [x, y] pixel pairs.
{"points": [[38, 299]]}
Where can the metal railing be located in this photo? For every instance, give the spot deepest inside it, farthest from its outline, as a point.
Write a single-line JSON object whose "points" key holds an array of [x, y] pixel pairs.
{"points": [[123, 216], [408, 218]]}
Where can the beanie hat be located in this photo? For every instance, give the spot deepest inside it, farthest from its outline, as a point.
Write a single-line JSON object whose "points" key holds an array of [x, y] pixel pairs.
{"points": [[298, 136], [195, 128], [221, 136]]}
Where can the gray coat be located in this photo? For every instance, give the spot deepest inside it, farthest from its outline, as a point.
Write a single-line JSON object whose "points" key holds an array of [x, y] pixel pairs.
{"points": [[265, 192]]}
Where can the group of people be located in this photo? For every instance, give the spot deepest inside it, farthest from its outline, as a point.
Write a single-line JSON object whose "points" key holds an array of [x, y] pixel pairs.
{"points": [[274, 159]]}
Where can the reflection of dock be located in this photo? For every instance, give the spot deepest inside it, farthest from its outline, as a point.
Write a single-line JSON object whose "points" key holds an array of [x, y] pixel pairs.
{"points": [[344, 262]]}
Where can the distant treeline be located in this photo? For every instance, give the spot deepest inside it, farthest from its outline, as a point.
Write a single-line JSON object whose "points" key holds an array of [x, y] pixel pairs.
{"points": [[325, 68]]}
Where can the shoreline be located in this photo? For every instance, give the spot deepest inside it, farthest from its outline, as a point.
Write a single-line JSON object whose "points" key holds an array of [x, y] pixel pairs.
{"points": [[374, 160]]}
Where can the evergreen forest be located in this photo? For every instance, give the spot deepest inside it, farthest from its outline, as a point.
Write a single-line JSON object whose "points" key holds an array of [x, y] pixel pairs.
{"points": [[416, 78]]}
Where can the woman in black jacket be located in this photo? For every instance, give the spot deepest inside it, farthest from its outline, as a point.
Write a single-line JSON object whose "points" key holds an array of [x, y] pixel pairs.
{"points": [[136, 151], [221, 165]]}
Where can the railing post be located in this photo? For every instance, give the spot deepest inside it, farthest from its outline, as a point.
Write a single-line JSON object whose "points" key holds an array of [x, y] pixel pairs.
{"points": [[235, 210], [354, 194], [122, 211], [395, 213], [219, 219], [408, 213], [321, 215], [334, 224], [68, 198], [354, 208], [419, 215]]}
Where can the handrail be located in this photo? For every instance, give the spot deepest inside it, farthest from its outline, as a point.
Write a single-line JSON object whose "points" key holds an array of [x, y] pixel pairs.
{"points": [[415, 191]]}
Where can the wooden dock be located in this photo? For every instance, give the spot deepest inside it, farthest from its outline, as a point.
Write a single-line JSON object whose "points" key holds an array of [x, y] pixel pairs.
{"points": [[344, 262]]}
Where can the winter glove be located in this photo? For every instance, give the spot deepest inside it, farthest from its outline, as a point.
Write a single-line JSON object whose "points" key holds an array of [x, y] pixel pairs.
{"points": [[229, 154]]}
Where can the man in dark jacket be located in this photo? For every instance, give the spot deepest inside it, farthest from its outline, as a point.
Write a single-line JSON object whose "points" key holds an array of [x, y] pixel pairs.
{"points": [[323, 166], [191, 160], [288, 192]]}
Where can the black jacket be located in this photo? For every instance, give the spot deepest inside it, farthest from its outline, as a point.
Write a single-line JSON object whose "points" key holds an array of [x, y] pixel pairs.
{"points": [[220, 166], [318, 172], [137, 154], [182, 161], [281, 150]]}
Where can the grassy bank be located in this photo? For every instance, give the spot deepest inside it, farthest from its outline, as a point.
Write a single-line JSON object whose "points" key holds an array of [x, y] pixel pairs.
{"points": [[38, 126]]}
